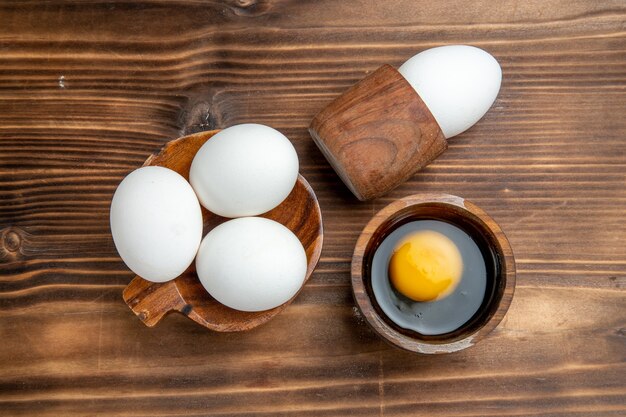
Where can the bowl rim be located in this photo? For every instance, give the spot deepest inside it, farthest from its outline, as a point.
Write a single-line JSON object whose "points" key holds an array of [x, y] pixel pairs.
{"points": [[363, 299]]}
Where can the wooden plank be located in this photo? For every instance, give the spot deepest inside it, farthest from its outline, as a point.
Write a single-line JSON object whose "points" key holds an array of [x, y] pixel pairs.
{"points": [[88, 90]]}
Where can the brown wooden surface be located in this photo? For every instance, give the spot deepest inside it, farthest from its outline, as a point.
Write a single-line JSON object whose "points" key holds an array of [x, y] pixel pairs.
{"points": [[377, 134], [299, 212], [89, 89]]}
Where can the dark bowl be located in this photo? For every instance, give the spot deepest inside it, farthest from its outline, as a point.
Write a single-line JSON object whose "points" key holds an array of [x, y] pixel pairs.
{"points": [[483, 229]]}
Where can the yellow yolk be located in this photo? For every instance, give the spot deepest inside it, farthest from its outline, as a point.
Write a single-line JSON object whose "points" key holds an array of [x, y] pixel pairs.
{"points": [[425, 266]]}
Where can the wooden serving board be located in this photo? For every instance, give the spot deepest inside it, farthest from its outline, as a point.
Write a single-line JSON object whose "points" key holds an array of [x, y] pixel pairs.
{"points": [[299, 212], [89, 89]]}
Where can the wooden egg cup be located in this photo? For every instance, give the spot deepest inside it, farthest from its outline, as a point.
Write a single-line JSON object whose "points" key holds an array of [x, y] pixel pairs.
{"points": [[378, 134], [300, 213], [462, 213]]}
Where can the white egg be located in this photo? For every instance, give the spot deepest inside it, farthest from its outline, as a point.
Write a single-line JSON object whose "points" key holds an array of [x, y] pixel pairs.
{"points": [[458, 84], [156, 223], [244, 170], [251, 264]]}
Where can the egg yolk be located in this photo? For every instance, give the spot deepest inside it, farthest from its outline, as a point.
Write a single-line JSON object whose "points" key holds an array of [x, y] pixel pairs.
{"points": [[426, 266]]}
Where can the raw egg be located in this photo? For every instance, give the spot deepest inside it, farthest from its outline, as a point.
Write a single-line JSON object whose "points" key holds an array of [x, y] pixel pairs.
{"points": [[251, 264], [244, 170], [425, 266], [430, 276], [458, 84], [156, 223]]}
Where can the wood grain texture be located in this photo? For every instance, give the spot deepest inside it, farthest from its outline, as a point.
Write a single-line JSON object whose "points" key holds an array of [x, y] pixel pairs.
{"points": [[299, 212], [377, 134], [89, 89]]}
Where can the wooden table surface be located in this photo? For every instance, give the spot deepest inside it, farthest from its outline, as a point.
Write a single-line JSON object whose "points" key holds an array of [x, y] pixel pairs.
{"points": [[89, 89]]}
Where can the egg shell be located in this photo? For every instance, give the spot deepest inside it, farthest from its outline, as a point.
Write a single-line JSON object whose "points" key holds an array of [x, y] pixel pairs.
{"points": [[458, 84], [244, 170], [156, 223], [251, 264]]}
